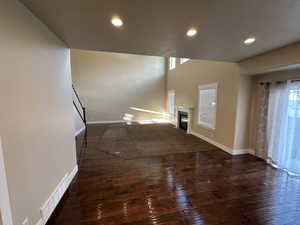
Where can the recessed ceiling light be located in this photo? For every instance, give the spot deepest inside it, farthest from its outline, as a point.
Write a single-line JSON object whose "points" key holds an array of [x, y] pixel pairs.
{"points": [[249, 40], [191, 32], [116, 21]]}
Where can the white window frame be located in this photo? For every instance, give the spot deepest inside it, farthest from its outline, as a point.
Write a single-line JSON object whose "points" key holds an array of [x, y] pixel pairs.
{"points": [[172, 63], [173, 111], [207, 87], [183, 60]]}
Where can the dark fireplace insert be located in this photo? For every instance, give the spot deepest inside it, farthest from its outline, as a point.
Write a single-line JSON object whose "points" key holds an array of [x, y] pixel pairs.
{"points": [[183, 120]]}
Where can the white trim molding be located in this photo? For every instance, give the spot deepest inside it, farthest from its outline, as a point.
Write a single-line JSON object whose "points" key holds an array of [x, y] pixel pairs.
{"points": [[213, 86], [153, 121], [227, 149], [106, 121], [79, 131], [243, 151], [40, 222], [208, 86], [189, 111], [183, 60], [5, 208], [171, 107], [53, 200], [221, 146]]}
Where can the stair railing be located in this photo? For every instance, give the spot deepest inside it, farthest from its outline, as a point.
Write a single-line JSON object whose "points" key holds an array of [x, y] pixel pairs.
{"points": [[82, 114]]}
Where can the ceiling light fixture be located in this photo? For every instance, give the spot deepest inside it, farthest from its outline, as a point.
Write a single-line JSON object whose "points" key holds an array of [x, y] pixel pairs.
{"points": [[191, 32], [249, 40], [116, 21]]}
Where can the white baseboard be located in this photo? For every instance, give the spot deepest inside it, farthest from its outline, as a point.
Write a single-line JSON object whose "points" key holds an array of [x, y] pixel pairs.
{"points": [[154, 121], [173, 122], [252, 151], [134, 121], [223, 147], [106, 121], [243, 151], [53, 200], [79, 131], [40, 222]]}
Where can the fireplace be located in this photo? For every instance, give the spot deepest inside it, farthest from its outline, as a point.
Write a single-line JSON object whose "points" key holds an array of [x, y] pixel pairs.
{"points": [[183, 120]]}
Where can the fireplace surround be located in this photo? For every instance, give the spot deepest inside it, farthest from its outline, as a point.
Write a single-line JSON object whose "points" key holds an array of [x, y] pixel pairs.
{"points": [[184, 118]]}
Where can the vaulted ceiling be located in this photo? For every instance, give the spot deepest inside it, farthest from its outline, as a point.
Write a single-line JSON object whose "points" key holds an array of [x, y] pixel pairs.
{"points": [[158, 27]]}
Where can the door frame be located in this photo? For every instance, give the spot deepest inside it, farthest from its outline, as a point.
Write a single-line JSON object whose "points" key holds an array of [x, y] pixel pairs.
{"points": [[5, 208], [173, 93]]}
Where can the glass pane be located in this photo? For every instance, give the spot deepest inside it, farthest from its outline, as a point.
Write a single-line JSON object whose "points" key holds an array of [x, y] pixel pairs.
{"points": [[207, 107]]}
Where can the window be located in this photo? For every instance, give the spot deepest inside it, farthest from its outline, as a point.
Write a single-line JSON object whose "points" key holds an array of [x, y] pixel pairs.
{"points": [[282, 125], [183, 60], [172, 63], [294, 103], [171, 102], [207, 105]]}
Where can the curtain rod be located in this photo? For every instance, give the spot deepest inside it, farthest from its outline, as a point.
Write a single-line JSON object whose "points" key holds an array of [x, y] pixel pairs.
{"points": [[278, 81]]}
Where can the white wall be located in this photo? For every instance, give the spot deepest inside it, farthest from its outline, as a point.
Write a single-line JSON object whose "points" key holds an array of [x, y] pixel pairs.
{"points": [[36, 123], [110, 84]]}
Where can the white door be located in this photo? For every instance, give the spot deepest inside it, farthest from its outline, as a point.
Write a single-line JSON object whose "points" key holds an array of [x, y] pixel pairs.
{"points": [[171, 104], [5, 210]]}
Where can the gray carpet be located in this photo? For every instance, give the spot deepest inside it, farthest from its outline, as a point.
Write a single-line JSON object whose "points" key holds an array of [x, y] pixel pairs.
{"points": [[139, 141]]}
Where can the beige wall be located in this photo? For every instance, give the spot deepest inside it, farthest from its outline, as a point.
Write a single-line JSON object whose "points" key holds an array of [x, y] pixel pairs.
{"points": [[109, 84], [274, 60], [242, 123], [185, 80], [36, 123]]}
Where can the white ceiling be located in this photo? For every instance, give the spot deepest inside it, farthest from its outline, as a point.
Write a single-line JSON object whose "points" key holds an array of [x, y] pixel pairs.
{"points": [[158, 27]]}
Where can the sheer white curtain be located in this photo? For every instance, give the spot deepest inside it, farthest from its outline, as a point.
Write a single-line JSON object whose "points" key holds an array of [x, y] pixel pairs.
{"points": [[283, 126]]}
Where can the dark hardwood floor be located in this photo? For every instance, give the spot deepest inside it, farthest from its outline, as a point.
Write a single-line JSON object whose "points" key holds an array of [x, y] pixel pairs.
{"points": [[155, 174]]}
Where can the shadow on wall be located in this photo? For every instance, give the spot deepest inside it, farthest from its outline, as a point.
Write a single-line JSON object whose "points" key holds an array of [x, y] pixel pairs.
{"points": [[129, 118]]}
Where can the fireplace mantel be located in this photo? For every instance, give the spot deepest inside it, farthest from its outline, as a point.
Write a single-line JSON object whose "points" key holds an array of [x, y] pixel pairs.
{"points": [[189, 111], [184, 108]]}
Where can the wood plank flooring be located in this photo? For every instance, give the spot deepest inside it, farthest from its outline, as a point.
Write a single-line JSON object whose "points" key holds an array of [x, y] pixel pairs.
{"points": [[155, 174]]}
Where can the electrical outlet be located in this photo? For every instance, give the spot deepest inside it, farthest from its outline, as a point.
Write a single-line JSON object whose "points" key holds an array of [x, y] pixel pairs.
{"points": [[25, 222]]}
